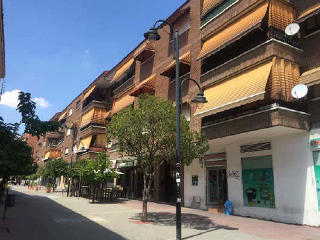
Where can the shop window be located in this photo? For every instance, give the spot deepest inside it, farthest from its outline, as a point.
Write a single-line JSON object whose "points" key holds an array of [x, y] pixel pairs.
{"points": [[316, 160], [194, 180], [312, 24], [258, 182], [217, 10]]}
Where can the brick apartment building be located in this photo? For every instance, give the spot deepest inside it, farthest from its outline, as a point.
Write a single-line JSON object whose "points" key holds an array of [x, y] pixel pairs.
{"points": [[264, 145]]}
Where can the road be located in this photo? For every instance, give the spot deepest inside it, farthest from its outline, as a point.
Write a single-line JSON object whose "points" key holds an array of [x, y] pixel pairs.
{"points": [[53, 216]]}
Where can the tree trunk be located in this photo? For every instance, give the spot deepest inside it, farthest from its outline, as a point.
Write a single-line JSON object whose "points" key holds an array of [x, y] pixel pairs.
{"points": [[53, 183], [93, 193], [144, 217]]}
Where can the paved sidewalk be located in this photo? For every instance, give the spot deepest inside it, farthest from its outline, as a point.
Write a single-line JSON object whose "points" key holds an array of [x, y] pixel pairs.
{"points": [[38, 215]]}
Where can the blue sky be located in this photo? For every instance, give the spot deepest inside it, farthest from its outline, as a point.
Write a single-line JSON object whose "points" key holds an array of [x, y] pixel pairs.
{"points": [[56, 48]]}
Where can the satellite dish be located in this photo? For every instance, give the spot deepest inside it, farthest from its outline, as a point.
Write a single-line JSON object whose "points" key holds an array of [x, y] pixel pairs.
{"points": [[299, 91], [292, 29]]}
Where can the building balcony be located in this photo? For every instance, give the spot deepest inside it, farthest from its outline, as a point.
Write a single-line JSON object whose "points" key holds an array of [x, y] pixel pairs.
{"points": [[95, 104], [124, 87], [92, 130], [55, 134]]}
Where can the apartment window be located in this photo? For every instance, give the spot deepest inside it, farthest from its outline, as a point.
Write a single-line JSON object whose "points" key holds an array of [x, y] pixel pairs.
{"points": [[66, 151], [217, 10], [74, 149], [312, 24], [78, 105], [68, 131], [70, 112], [258, 183]]}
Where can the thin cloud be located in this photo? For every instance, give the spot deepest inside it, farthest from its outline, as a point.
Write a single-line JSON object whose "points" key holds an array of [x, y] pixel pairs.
{"points": [[86, 51], [10, 99]]}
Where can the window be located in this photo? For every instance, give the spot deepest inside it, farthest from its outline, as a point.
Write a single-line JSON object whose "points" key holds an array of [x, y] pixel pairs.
{"points": [[66, 151], [217, 10], [186, 111], [194, 180], [316, 160], [78, 105], [258, 183], [312, 24], [70, 112], [68, 131]]}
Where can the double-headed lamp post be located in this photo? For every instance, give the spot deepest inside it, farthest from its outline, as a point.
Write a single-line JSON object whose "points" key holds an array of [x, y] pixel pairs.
{"points": [[153, 35]]}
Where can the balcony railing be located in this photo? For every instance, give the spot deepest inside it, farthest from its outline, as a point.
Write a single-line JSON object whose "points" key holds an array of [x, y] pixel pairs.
{"points": [[124, 86]]}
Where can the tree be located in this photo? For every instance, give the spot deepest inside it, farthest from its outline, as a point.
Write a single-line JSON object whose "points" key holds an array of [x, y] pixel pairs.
{"points": [[96, 171], [54, 168], [148, 133]]}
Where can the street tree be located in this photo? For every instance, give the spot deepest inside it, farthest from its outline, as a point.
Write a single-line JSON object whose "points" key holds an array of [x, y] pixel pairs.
{"points": [[54, 168], [148, 134]]}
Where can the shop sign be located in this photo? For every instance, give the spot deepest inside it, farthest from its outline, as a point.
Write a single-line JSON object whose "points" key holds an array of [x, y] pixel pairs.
{"points": [[215, 160], [216, 163], [315, 143], [215, 156]]}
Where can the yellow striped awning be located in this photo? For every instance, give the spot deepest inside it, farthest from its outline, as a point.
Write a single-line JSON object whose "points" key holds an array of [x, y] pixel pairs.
{"points": [[207, 5], [145, 86], [46, 155], [184, 59], [311, 77], [313, 10], [63, 115], [85, 142], [234, 31], [101, 141], [122, 69], [86, 118], [245, 88], [121, 103], [87, 94]]}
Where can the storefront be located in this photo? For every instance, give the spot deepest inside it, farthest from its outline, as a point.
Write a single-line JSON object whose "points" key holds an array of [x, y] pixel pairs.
{"points": [[315, 147]]}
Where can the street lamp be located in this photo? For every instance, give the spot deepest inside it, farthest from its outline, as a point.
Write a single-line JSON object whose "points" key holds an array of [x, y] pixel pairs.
{"points": [[153, 35]]}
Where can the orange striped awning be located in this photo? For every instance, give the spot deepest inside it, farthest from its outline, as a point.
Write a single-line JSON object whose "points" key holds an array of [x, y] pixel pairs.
{"points": [[87, 94], [280, 14], [185, 59], [122, 102], [234, 31], [145, 51], [311, 77], [245, 88], [55, 154], [146, 86], [207, 5], [86, 118], [313, 10], [123, 68]]}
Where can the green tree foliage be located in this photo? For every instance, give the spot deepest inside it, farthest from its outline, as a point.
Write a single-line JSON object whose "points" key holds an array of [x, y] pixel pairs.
{"points": [[94, 171], [54, 168], [148, 133]]}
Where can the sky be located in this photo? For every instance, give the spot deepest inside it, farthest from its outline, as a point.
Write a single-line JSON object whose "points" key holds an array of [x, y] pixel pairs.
{"points": [[55, 48]]}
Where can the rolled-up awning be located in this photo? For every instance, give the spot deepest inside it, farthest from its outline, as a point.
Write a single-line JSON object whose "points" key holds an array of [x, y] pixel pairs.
{"points": [[234, 31], [46, 155], [122, 69], [85, 142], [100, 141], [245, 88], [145, 51], [146, 86], [313, 10], [122, 102], [185, 59], [87, 94], [311, 77]]}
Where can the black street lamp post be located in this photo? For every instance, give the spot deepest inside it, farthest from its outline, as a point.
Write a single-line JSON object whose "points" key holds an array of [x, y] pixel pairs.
{"points": [[153, 35]]}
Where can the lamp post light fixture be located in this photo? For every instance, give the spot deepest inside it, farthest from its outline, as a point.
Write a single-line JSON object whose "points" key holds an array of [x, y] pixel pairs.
{"points": [[153, 35]]}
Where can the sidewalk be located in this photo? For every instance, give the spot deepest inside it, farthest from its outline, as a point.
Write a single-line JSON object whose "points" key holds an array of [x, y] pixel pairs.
{"points": [[56, 216]]}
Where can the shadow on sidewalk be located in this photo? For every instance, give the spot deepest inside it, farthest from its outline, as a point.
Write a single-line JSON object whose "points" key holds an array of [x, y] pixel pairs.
{"points": [[38, 217], [189, 220]]}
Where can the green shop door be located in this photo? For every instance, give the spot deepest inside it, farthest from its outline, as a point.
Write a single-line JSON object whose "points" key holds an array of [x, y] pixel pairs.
{"points": [[316, 160]]}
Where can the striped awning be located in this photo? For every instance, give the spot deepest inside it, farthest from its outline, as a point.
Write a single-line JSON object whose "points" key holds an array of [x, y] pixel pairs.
{"points": [[234, 31], [207, 5], [86, 118], [55, 154], [145, 51], [314, 10], [85, 142], [122, 102], [123, 68], [145, 86], [311, 77], [245, 88], [279, 15], [184, 59], [46, 155], [87, 94]]}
